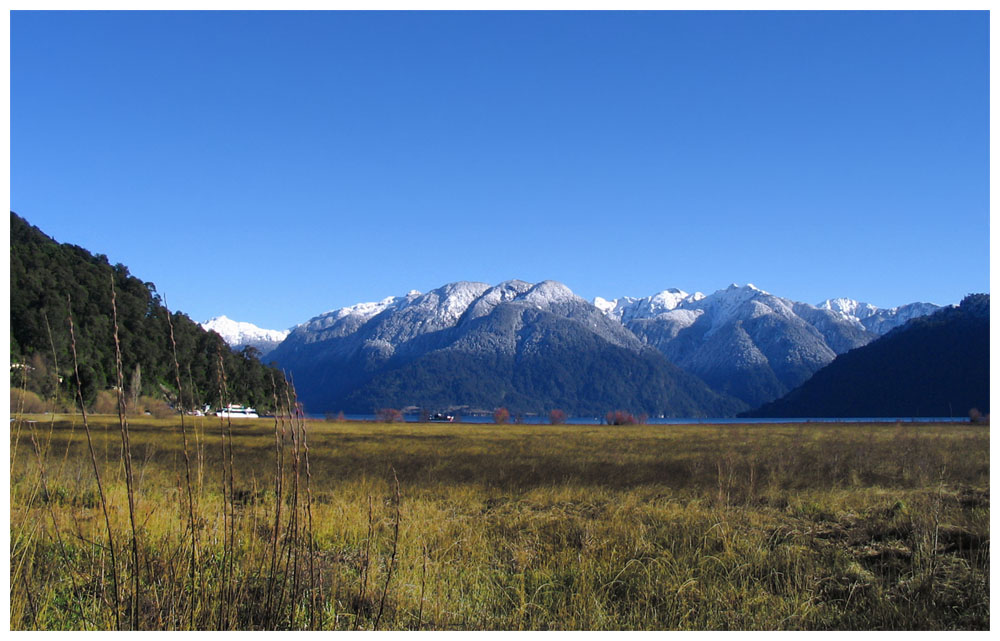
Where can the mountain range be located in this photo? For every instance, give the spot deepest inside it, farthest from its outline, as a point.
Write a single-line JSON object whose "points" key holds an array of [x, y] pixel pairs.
{"points": [[533, 347], [529, 347]]}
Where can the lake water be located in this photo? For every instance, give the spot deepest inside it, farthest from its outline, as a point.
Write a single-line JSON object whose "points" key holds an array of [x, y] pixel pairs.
{"points": [[542, 420]]}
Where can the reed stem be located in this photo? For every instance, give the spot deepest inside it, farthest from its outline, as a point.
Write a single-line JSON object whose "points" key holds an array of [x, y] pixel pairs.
{"points": [[97, 473], [127, 451]]}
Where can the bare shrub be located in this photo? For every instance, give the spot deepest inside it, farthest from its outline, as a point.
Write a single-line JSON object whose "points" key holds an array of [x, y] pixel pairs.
{"points": [[619, 417], [389, 415], [501, 416], [27, 401], [157, 407], [105, 403], [557, 417]]}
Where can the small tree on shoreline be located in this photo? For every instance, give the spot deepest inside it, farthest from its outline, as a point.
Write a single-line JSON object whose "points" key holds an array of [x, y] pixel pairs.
{"points": [[389, 415], [620, 417]]}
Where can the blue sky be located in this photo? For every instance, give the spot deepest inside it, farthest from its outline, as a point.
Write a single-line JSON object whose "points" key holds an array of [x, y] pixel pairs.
{"points": [[272, 166]]}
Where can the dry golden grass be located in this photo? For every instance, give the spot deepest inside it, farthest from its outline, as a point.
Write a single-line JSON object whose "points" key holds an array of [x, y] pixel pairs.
{"points": [[805, 526]]}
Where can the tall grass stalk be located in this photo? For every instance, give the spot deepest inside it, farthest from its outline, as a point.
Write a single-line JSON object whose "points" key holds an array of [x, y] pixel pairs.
{"points": [[55, 376], [309, 514], [423, 583], [192, 524], [49, 500], [127, 454], [228, 513], [392, 557], [365, 566], [97, 473], [292, 532], [278, 473]]}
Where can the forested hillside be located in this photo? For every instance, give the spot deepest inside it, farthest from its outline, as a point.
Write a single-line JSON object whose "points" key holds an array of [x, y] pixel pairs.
{"points": [[46, 275], [937, 365]]}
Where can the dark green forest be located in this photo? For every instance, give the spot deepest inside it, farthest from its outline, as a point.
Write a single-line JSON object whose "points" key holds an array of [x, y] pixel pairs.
{"points": [[584, 382], [937, 365], [45, 276]]}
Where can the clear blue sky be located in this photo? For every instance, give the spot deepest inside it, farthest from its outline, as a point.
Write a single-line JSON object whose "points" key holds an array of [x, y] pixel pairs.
{"points": [[272, 166]]}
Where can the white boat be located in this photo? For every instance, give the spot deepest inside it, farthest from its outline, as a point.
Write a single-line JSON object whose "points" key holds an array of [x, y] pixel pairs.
{"points": [[237, 411]]}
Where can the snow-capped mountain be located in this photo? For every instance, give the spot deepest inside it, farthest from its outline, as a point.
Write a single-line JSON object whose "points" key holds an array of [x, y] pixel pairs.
{"points": [[628, 308], [240, 334], [396, 320], [530, 347], [749, 343], [874, 319], [540, 345]]}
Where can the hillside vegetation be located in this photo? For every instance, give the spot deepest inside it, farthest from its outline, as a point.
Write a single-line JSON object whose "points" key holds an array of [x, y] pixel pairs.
{"points": [[48, 279]]}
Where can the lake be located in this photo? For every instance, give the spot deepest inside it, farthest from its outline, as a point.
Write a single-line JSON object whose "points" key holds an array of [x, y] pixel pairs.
{"points": [[543, 420]]}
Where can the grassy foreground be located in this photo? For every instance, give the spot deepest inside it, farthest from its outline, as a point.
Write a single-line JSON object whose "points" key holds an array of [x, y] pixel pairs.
{"points": [[812, 526]]}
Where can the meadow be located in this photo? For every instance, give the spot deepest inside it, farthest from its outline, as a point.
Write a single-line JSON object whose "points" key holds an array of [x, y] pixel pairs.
{"points": [[293, 524]]}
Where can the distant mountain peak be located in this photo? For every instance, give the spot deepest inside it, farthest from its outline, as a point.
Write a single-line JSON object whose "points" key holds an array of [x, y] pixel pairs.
{"points": [[628, 308], [548, 292], [239, 334], [874, 319]]}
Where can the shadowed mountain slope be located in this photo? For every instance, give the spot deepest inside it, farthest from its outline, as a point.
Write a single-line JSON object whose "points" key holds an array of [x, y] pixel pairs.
{"points": [[935, 365], [748, 343]]}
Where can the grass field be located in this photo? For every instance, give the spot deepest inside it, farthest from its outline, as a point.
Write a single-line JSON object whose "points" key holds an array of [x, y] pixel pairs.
{"points": [[488, 527]]}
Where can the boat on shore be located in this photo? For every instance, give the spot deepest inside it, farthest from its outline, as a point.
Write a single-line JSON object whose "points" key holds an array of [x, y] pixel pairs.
{"points": [[237, 411]]}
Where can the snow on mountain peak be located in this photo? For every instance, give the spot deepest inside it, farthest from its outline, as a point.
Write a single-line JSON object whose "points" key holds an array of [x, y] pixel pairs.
{"points": [[606, 306], [548, 292], [849, 307], [239, 334], [450, 301], [875, 319], [502, 293], [628, 308]]}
